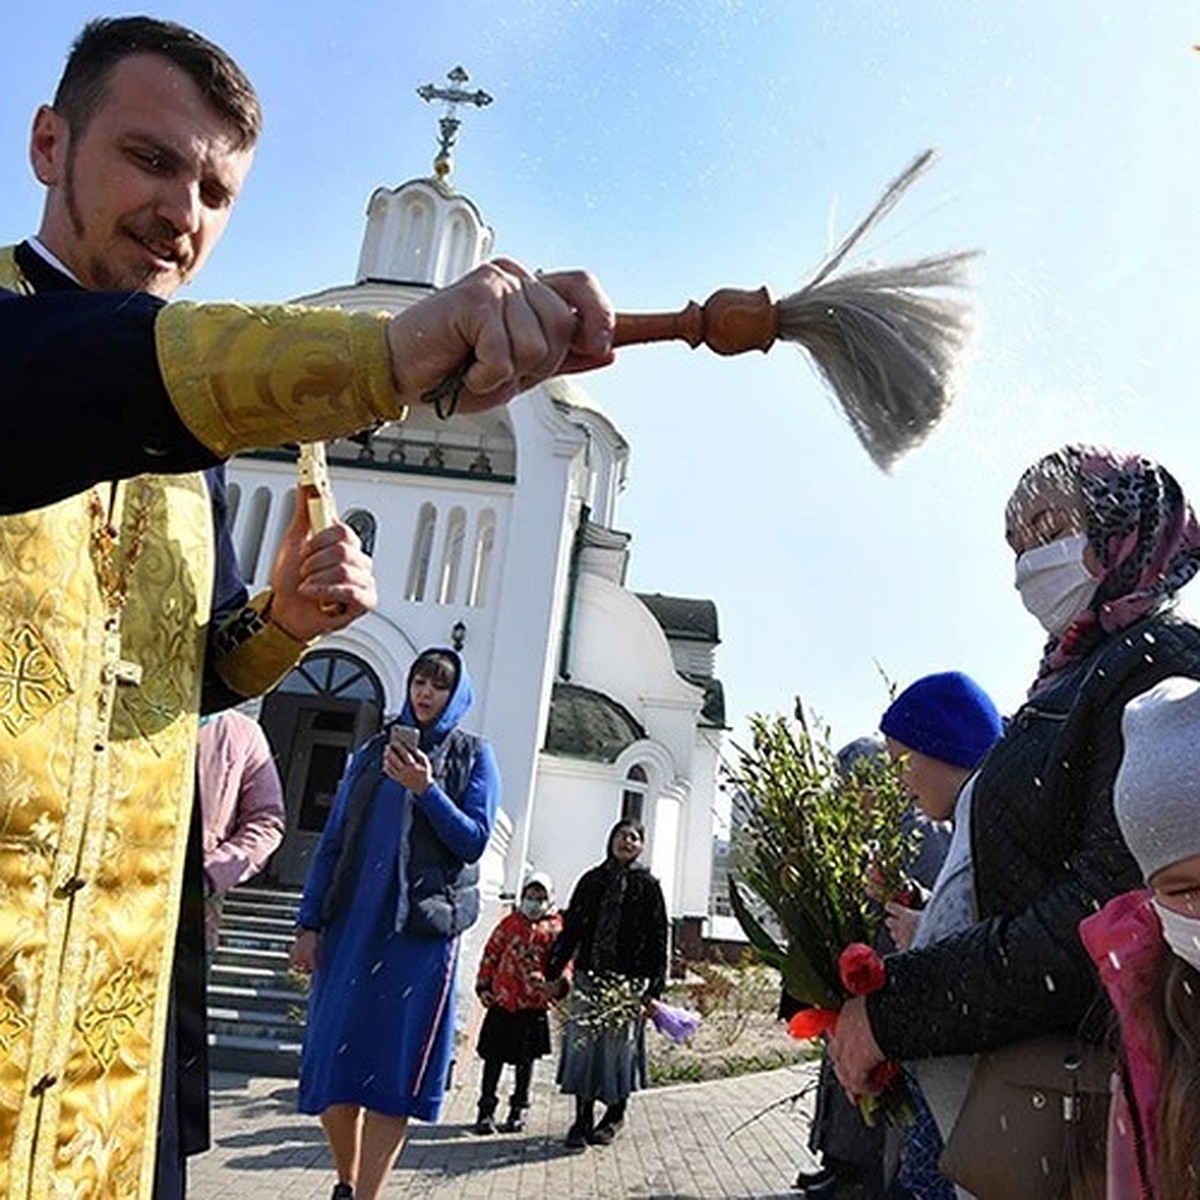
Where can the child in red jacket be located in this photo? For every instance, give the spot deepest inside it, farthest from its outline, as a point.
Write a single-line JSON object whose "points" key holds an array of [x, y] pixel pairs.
{"points": [[512, 985]]}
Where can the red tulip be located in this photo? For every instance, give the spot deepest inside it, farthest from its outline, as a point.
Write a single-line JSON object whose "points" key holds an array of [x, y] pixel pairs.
{"points": [[812, 1022], [861, 969]]}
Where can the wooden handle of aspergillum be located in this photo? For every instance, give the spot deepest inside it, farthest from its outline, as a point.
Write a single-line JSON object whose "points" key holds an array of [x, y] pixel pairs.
{"points": [[314, 485], [315, 491], [730, 321]]}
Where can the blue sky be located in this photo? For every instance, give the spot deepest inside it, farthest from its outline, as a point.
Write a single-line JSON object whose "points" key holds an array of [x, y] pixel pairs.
{"points": [[677, 147]]}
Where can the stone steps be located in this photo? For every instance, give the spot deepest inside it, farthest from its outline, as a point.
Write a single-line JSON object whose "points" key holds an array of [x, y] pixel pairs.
{"points": [[255, 1006]]}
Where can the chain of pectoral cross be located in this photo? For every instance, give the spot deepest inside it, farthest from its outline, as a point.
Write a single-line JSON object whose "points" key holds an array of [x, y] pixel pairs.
{"points": [[113, 558]]}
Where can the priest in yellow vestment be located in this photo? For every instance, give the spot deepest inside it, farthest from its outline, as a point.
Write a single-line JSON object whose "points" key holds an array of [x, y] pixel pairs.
{"points": [[122, 614]]}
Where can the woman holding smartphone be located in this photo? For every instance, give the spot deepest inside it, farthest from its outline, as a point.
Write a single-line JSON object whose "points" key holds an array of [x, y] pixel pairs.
{"points": [[392, 885]]}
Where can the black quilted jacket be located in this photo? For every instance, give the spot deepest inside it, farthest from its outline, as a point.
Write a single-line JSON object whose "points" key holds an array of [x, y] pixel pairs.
{"points": [[1047, 853]]}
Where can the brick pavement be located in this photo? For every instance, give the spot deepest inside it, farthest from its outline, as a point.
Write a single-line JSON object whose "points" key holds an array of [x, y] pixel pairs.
{"points": [[680, 1142]]}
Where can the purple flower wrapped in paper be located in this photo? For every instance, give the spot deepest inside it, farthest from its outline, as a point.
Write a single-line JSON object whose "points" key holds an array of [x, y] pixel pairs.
{"points": [[678, 1024]]}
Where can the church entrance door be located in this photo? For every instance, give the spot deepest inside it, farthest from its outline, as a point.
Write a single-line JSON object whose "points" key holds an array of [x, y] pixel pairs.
{"points": [[321, 713]]}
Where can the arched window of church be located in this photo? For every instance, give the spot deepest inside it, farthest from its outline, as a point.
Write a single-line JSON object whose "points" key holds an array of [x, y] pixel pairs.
{"points": [[337, 675], [481, 558], [633, 796], [422, 552], [456, 533], [458, 251], [363, 523], [233, 497], [254, 530], [410, 259]]}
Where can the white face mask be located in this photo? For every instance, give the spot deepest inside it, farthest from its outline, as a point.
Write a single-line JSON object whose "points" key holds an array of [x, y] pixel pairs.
{"points": [[1182, 934], [1054, 584], [535, 909]]}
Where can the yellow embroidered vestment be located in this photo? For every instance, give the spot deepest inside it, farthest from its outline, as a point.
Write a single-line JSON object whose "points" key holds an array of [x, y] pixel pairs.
{"points": [[104, 611]]}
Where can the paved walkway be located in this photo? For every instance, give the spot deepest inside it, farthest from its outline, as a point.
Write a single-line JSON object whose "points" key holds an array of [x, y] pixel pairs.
{"points": [[686, 1142]]}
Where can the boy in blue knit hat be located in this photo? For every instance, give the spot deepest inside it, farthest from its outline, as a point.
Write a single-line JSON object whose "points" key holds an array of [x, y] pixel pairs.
{"points": [[940, 727]]}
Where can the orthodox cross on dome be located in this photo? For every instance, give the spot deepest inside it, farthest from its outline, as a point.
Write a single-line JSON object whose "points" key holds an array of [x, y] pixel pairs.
{"points": [[454, 95]]}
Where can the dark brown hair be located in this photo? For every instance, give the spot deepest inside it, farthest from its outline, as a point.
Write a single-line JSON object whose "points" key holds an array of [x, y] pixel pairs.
{"points": [[1177, 1021], [103, 43], [624, 823], [439, 668]]}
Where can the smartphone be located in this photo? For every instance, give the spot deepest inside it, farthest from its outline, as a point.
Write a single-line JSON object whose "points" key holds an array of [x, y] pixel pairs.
{"points": [[405, 735]]}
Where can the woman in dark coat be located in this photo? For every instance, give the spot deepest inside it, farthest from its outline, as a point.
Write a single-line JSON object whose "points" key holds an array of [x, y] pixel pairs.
{"points": [[615, 931], [1103, 542]]}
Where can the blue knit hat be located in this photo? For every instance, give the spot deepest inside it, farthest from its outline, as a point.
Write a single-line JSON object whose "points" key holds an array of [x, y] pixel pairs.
{"points": [[948, 717]]}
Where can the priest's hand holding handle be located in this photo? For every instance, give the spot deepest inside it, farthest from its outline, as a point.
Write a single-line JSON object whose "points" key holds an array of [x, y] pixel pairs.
{"points": [[502, 330]]}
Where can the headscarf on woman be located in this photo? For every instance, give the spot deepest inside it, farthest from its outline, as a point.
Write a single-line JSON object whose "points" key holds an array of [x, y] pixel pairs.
{"points": [[1144, 534], [447, 665], [606, 953]]}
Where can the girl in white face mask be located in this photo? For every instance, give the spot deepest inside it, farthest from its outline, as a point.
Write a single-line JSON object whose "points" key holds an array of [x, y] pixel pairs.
{"points": [[512, 985], [1146, 945]]}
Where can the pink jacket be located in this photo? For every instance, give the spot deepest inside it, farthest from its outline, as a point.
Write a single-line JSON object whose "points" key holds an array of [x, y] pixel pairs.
{"points": [[241, 800], [1125, 941]]}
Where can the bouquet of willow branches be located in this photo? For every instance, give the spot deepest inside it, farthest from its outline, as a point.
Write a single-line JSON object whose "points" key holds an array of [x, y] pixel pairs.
{"points": [[609, 1004], [816, 847]]}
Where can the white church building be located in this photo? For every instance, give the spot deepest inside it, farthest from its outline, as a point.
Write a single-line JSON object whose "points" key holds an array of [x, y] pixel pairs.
{"points": [[497, 533]]}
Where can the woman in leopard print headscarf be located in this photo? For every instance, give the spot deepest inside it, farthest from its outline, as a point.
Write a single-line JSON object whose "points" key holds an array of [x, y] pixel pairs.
{"points": [[1142, 541]]}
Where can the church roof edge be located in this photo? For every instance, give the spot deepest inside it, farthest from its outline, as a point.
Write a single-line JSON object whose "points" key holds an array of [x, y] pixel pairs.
{"points": [[682, 618], [443, 189]]}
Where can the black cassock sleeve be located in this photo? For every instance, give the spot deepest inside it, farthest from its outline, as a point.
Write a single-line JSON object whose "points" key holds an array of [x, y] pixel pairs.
{"points": [[81, 396], [82, 401], [229, 594]]}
